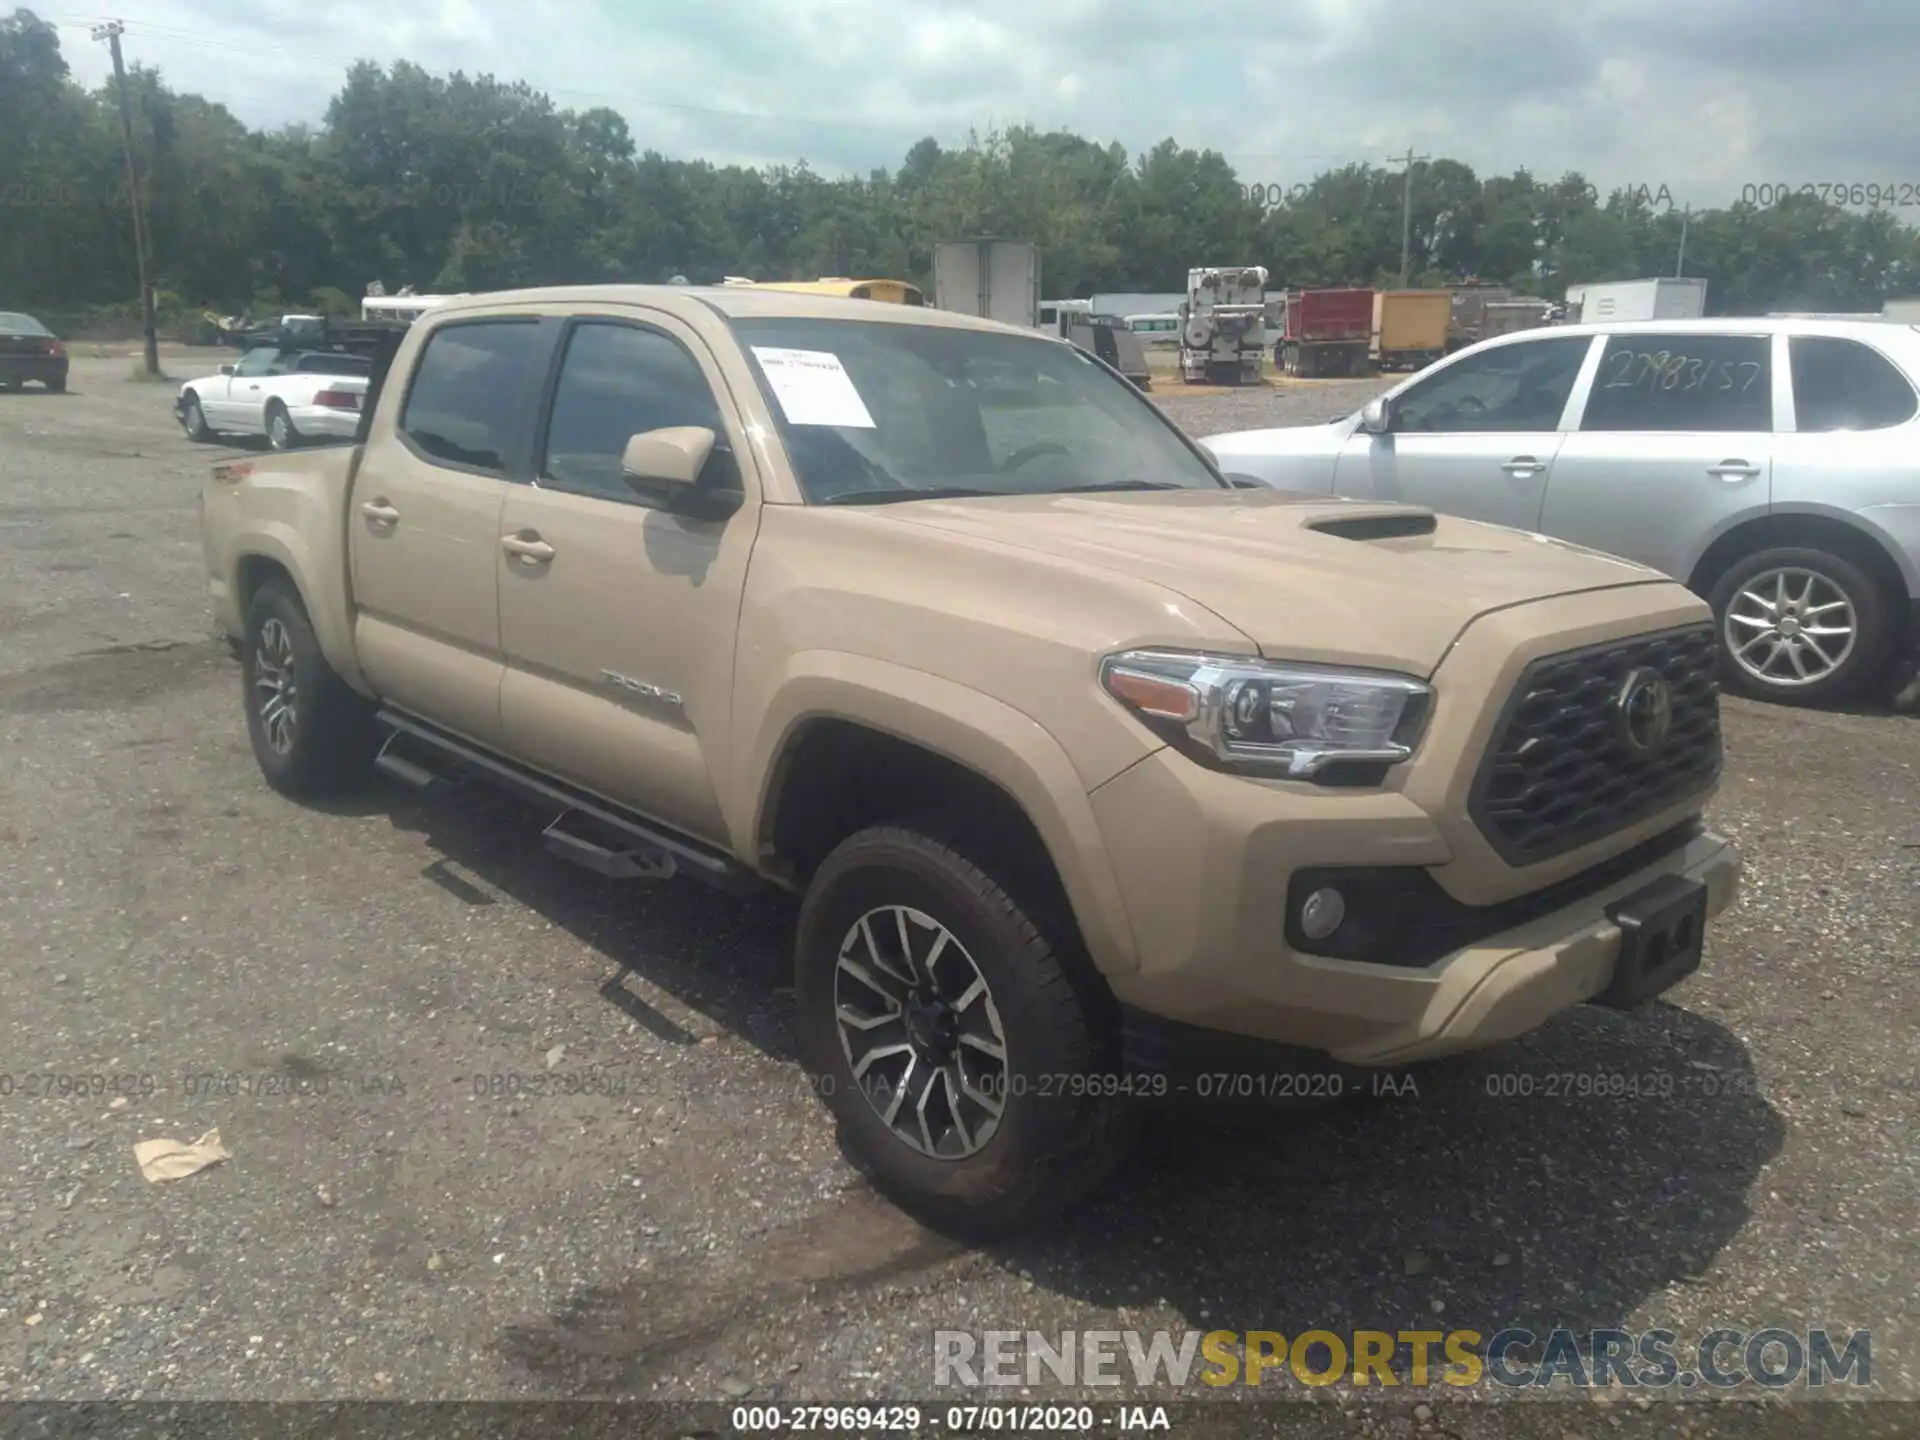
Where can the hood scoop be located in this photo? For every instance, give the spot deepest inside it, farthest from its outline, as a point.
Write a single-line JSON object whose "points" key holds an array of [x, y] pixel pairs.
{"points": [[1377, 525]]}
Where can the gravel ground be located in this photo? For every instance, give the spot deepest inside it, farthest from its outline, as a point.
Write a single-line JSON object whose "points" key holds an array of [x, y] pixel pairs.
{"points": [[501, 1129]]}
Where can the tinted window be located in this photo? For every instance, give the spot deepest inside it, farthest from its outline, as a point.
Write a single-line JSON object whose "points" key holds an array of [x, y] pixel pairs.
{"points": [[615, 382], [466, 392], [1510, 387], [1682, 382], [1844, 385], [336, 365]]}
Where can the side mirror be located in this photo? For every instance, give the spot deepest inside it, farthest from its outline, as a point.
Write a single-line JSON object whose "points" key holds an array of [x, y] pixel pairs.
{"points": [[673, 456], [226, 369], [668, 464], [1376, 417]]}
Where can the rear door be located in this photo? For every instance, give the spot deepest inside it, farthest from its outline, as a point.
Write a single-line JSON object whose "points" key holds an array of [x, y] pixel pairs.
{"points": [[1672, 447], [618, 615], [1477, 437], [424, 519]]}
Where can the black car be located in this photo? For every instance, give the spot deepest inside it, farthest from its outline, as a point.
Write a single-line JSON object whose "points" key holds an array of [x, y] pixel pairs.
{"points": [[30, 351]]}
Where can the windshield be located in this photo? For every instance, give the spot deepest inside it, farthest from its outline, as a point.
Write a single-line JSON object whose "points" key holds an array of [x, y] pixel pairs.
{"points": [[14, 323], [874, 412]]}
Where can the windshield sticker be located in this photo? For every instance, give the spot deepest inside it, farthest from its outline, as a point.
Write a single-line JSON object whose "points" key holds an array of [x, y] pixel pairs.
{"points": [[813, 387]]}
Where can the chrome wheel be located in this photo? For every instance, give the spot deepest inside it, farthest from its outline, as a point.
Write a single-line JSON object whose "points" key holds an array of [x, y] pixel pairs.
{"points": [[274, 690], [280, 431], [1790, 627], [921, 1032]]}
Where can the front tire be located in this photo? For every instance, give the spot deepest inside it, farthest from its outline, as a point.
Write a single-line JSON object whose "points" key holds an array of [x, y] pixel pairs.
{"points": [[1801, 626], [193, 420], [945, 1032], [313, 734]]}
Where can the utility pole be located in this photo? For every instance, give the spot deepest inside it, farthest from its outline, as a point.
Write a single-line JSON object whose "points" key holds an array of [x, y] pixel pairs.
{"points": [[1406, 213], [111, 32], [1680, 264]]}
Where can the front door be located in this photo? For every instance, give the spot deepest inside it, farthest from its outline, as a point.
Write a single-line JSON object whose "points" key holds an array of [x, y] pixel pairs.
{"points": [[235, 402], [1476, 438], [424, 521], [617, 614], [1673, 445]]}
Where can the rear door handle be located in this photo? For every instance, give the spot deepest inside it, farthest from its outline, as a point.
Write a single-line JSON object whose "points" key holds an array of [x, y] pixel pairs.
{"points": [[380, 512], [1733, 470], [531, 550], [1522, 465]]}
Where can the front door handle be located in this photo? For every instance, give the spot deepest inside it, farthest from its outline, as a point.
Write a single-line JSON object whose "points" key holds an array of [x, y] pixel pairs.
{"points": [[1733, 470], [1522, 465], [379, 512], [530, 550]]}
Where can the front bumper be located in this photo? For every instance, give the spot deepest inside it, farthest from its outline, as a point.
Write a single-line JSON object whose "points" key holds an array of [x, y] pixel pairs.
{"points": [[1205, 865]]}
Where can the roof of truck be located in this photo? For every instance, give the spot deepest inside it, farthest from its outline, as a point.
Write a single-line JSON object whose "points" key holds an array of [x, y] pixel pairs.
{"points": [[731, 301]]}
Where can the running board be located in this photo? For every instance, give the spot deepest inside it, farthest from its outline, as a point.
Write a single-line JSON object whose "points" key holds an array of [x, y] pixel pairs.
{"points": [[607, 839]]}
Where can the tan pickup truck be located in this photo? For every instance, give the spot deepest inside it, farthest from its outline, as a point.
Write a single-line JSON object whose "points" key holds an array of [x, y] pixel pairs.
{"points": [[1101, 777]]}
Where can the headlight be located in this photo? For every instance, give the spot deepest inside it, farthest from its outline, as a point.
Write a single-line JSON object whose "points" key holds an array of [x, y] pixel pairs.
{"points": [[1294, 720]]}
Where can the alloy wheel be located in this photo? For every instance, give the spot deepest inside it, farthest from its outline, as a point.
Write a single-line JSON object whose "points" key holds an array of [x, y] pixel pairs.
{"points": [[921, 1032], [276, 694], [1790, 627]]}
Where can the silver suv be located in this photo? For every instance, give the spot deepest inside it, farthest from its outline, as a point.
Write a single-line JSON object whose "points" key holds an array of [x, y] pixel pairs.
{"points": [[1771, 465]]}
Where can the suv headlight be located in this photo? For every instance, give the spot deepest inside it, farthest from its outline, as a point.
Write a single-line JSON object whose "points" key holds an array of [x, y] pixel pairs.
{"points": [[1293, 720]]}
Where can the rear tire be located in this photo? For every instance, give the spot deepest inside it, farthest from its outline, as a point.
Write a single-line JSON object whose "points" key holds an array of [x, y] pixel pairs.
{"points": [[911, 948], [1802, 626], [281, 434], [312, 733]]}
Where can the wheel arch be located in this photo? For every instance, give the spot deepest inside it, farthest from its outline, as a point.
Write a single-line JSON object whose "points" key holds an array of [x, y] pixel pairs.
{"points": [[1850, 538], [858, 741]]}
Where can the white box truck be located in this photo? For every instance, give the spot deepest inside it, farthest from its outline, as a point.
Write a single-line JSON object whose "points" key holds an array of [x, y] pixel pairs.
{"points": [[994, 279], [1679, 297]]}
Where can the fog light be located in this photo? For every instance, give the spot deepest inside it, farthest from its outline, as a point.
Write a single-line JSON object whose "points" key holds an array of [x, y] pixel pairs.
{"points": [[1322, 913]]}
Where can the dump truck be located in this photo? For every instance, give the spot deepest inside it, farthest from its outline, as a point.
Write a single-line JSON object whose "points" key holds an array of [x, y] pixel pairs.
{"points": [[1328, 332], [1470, 301], [1504, 317], [1410, 327]]}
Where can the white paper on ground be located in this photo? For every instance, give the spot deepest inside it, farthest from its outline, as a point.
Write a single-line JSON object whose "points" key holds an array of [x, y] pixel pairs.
{"points": [[813, 387]]}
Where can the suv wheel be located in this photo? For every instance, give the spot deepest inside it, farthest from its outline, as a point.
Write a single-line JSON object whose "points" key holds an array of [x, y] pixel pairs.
{"points": [[1801, 626], [942, 1029], [312, 733]]}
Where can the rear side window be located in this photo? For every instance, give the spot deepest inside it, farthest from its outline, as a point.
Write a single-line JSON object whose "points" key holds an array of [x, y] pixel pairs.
{"points": [[1844, 385], [1710, 383], [617, 381], [466, 393]]}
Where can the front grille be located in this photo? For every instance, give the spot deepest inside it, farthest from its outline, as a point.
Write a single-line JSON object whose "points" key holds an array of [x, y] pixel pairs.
{"points": [[1561, 772]]}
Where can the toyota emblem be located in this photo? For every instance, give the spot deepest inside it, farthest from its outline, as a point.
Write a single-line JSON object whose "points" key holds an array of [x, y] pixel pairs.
{"points": [[1646, 712]]}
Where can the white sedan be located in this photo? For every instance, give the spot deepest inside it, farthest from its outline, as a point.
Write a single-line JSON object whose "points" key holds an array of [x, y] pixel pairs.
{"points": [[289, 396]]}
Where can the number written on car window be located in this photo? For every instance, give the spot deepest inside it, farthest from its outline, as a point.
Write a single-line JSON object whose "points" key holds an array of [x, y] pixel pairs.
{"points": [[1683, 382], [1676, 370]]}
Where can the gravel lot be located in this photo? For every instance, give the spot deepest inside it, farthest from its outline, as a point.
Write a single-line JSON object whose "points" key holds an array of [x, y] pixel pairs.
{"points": [[500, 1128]]}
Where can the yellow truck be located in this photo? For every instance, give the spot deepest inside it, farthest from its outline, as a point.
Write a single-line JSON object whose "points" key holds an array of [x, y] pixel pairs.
{"points": [[1410, 327]]}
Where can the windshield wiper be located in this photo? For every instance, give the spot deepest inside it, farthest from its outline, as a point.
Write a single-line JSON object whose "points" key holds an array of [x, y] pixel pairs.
{"points": [[1118, 485], [889, 496]]}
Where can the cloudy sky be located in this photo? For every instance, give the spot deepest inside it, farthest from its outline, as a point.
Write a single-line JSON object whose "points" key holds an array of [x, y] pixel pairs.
{"points": [[1700, 96]]}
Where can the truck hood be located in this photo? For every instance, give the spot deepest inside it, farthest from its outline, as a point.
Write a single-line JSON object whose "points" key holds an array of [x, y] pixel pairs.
{"points": [[1303, 577]]}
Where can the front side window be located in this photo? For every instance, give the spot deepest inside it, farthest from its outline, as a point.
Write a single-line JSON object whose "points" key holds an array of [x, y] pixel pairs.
{"points": [[264, 361], [1519, 387], [466, 392], [1844, 385], [874, 411], [1683, 383], [615, 382]]}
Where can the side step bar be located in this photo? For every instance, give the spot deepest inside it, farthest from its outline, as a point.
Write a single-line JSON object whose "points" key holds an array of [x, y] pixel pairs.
{"points": [[607, 839]]}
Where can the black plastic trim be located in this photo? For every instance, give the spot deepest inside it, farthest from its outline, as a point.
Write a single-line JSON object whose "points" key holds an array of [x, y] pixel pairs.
{"points": [[1400, 915], [695, 857]]}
